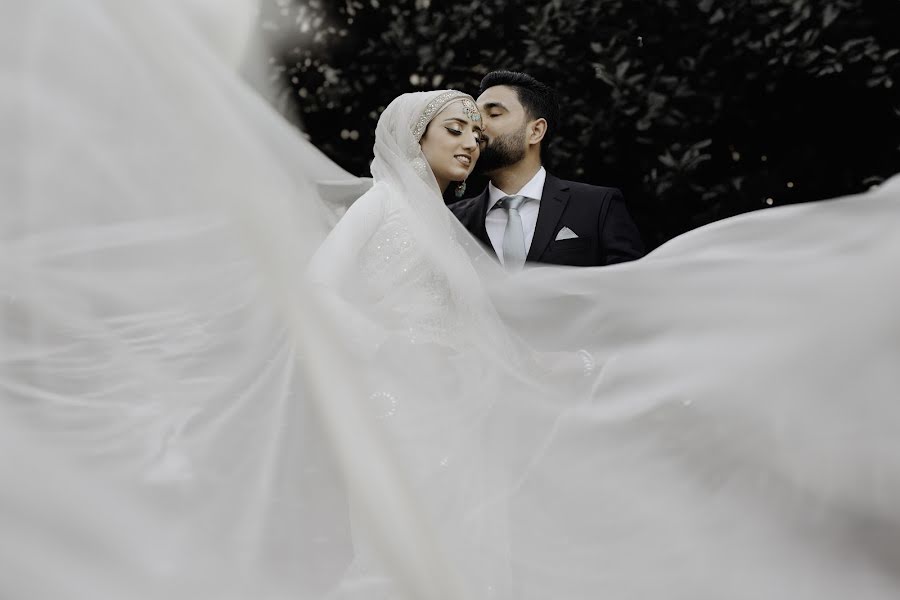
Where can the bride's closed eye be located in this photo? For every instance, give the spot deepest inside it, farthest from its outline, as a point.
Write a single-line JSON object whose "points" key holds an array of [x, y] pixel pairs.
{"points": [[480, 138]]}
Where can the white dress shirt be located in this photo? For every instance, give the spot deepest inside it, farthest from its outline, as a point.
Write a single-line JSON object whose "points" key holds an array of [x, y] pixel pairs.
{"points": [[495, 221]]}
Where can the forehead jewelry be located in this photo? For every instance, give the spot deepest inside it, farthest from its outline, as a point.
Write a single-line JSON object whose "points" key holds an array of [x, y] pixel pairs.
{"points": [[433, 106], [471, 110]]}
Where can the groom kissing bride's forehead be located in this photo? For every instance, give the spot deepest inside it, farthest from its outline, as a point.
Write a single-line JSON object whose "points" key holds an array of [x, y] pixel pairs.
{"points": [[525, 214]]}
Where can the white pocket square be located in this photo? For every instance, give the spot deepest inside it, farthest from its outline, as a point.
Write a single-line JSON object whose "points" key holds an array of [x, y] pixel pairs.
{"points": [[566, 234]]}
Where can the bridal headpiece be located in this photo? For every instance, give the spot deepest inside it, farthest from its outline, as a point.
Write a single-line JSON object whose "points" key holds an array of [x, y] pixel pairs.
{"points": [[436, 105]]}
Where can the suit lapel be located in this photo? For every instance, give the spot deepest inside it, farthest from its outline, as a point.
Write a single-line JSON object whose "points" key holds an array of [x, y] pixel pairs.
{"points": [[554, 197]]}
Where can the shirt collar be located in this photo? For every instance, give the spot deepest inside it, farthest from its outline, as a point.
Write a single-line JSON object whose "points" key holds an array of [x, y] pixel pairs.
{"points": [[533, 189]]}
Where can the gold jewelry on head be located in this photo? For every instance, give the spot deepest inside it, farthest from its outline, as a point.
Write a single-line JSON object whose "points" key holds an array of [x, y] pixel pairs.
{"points": [[432, 109], [471, 110]]}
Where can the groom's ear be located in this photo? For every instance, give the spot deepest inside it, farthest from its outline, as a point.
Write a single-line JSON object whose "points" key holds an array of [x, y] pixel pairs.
{"points": [[537, 129]]}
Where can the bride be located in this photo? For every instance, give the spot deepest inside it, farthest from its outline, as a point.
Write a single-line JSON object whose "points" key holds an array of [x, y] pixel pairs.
{"points": [[208, 390]]}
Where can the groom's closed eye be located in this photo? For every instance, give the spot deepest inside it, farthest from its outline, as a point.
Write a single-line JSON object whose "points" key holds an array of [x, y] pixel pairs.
{"points": [[493, 109]]}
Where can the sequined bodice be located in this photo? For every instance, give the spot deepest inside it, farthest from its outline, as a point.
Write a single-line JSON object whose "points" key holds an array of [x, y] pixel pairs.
{"points": [[403, 280]]}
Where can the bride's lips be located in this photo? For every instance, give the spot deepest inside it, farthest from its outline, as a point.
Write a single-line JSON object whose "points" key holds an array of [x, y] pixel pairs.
{"points": [[464, 159]]}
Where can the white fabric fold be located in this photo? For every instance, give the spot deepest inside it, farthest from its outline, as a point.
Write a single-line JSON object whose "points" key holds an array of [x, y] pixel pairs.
{"points": [[209, 390]]}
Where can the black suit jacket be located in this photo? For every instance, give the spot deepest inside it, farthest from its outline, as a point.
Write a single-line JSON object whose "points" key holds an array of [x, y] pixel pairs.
{"points": [[606, 232]]}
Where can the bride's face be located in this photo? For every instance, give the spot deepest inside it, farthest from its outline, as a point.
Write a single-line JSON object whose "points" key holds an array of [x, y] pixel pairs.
{"points": [[451, 142]]}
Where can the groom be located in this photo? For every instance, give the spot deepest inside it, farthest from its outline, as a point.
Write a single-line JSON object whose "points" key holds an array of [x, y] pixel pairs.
{"points": [[525, 213]]}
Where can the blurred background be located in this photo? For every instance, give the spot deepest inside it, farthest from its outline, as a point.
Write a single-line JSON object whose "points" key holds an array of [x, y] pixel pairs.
{"points": [[698, 110]]}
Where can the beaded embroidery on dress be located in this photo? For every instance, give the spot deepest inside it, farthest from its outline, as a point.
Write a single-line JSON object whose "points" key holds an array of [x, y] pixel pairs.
{"points": [[404, 281]]}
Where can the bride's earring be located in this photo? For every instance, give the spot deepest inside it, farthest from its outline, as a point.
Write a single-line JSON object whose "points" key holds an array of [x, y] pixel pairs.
{"points": [[460, 189]]}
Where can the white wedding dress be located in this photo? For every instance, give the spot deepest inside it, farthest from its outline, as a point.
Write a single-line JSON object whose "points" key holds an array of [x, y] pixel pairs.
{"points": [[209, 391]]}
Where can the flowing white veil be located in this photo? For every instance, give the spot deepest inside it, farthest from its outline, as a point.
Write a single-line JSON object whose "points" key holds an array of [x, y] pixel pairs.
{"points": [[182, 416], [156, 329]]}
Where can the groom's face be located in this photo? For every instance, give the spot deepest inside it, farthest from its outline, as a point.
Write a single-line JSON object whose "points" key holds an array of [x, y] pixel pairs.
{"points": [[505, 124]]}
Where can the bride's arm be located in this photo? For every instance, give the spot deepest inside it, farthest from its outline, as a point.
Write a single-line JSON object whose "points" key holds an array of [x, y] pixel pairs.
{"points": [[332, 268]]}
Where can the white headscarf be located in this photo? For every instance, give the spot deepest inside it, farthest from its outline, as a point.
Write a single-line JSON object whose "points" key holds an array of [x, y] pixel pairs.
{"points": [[399, 160]]}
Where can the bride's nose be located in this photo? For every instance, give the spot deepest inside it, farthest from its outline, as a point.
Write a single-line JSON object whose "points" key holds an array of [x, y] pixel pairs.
{"points": [[470, 143]]}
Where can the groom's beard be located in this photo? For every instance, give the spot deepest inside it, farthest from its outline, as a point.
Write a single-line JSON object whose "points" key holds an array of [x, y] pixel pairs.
{"points": [[502, 151]]}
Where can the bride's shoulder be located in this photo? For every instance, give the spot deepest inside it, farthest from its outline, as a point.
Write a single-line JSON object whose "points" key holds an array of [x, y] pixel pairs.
{"points": [[374, 200], [379, 193], [380, 197]]}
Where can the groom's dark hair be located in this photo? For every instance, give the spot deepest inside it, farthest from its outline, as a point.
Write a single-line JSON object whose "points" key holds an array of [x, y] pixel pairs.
{"points": [[539, 100]]}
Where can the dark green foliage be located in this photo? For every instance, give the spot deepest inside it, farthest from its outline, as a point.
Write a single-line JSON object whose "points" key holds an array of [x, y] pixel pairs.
{"points": [[697, 110]]}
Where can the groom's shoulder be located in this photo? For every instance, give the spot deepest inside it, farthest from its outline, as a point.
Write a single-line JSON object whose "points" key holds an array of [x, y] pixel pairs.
{"points": [[587, 190], [465, 205]]}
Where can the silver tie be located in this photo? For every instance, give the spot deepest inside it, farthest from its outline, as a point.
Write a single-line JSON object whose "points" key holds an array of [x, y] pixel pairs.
{"points": [[514, 235]]}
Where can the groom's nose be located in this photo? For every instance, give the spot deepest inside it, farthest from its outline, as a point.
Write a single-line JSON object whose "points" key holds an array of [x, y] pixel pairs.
{"points": [[485, 120]]}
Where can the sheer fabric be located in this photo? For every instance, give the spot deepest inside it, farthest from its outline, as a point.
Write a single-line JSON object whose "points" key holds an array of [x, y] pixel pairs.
{"points": [[208, 390]]}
